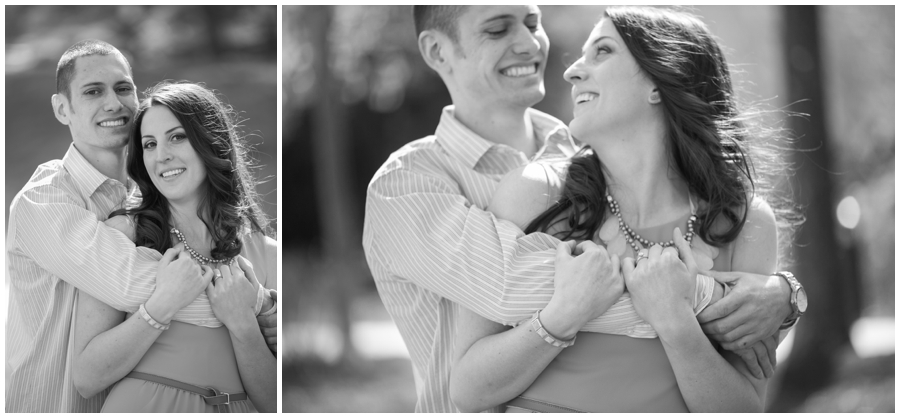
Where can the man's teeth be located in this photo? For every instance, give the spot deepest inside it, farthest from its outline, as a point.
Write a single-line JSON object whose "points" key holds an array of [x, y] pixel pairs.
{"points": [[585, 97], [171, 173], [520, 71], [111, 123]]}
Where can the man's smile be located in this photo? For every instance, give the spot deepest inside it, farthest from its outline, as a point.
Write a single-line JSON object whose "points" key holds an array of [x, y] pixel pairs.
{"points": [[113, 123], [520, 70]]}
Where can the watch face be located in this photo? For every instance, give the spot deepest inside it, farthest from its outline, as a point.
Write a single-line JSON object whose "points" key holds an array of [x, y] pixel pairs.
{"points": [[801, 300]]}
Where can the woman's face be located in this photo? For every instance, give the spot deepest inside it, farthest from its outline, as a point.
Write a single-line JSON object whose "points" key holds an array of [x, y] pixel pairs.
{"points": [[609, 90], [172, 163]]}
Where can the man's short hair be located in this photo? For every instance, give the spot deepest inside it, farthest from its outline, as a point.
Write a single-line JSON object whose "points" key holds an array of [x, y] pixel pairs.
{"points": [[444, 19], [65, 70]]}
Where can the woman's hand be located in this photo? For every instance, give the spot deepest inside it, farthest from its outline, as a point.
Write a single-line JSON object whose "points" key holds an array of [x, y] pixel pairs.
{"points": [[661, 285], [179, 280], [233, 298], [587, 283]]}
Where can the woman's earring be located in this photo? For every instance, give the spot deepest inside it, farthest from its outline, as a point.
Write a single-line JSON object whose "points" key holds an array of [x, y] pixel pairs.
{"points": [[654, 97]]}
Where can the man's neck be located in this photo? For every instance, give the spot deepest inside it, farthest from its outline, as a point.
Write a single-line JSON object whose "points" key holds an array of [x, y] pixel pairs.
{"points": [[109, 162], [511, 127]]}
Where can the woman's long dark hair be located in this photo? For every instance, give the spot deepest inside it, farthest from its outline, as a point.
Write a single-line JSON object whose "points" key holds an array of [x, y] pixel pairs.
{"points": [[229, 207], [708, 140]]}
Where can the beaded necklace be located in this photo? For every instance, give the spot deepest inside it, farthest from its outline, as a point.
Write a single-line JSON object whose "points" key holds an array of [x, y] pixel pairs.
{"points": [[197, 256], [634, 238]]}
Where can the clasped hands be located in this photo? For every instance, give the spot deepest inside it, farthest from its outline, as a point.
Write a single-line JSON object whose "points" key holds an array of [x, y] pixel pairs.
{"points": [[662, 286], [232, 296]]}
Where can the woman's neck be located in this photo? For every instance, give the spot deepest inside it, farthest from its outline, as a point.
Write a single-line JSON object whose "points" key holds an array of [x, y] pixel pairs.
{"points": [[186, 219], [640, 179]]}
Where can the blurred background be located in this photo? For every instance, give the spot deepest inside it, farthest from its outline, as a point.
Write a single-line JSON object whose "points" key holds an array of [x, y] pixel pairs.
{"points": [[232, 49], [356, 89]]}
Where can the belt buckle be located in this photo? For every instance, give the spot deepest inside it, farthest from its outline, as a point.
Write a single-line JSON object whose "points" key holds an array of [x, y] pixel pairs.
{"points": [[216, 393]]}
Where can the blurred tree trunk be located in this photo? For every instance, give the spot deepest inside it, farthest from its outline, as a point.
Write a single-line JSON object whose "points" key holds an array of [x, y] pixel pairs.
{"points": [[824, 329], [339, 232], [214, 18]]}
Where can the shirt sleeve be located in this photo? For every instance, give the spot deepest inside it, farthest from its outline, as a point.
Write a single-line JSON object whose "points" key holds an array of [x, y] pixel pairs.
{"points": [[421, 229], [67, 240]]}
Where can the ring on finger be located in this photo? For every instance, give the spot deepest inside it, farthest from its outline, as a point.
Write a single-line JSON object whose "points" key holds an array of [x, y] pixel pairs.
{"points": [[640, 257], [218, 275]]}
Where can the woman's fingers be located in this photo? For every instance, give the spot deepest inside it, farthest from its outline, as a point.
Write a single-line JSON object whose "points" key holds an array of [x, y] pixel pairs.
{"points": [[170, 254], [655, 251], [247, 267]]}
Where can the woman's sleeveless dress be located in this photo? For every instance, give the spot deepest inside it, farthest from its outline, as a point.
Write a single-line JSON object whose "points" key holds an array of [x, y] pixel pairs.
{"points": [[191, 354], [611, 373]]}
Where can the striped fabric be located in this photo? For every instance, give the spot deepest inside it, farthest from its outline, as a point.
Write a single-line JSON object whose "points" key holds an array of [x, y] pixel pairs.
{"points": [[430, 244], [56, 243]]}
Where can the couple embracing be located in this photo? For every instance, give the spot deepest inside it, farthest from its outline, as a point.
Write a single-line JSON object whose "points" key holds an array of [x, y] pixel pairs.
{"points": [[529, 273], [141, 276]]}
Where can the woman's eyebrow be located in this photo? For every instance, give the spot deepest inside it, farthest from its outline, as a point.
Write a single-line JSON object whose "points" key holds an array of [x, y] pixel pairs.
{"points": [[596, 41]]}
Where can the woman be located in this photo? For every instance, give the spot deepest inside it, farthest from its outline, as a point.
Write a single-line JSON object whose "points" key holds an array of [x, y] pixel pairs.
{"points": [[666, 167], [196, 194]]}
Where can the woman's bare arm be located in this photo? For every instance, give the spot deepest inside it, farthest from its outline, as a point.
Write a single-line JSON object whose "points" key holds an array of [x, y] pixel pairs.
{"points": [[708, 381], [106, 348]]}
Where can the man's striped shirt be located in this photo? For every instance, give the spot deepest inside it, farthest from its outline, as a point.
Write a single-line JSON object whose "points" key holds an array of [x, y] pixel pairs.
{"points": [[55, 244], [430, 244]]}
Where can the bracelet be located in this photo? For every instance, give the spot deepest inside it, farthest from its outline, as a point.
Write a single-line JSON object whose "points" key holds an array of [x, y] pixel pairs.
{"points": [[260, 298], [142, 311], [274, 309], [537, 327]]}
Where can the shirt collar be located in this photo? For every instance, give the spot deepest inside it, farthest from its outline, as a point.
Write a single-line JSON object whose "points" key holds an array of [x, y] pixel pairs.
{"points": [[86, 177], [468, 147]]}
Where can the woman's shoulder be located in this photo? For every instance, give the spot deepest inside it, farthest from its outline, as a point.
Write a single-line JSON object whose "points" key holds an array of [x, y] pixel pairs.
{"points": [[123, 223], [262, 252], [527, 191], [756, 247]]}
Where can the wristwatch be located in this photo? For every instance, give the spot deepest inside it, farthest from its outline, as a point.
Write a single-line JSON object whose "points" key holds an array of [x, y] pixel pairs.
{"points": [[537, 327], [798, 299]]}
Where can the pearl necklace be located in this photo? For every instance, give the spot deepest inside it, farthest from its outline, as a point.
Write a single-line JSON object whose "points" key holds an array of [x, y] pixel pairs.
{"points": [[197, 256], [634, 238]]}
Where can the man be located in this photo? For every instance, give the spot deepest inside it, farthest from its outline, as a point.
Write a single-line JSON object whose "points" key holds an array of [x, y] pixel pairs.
{"points": [[56, 242], [428, 240]]}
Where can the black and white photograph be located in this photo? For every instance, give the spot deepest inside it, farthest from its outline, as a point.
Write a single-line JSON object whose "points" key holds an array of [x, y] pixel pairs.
{"points": [[588, 209], [141, 248]]}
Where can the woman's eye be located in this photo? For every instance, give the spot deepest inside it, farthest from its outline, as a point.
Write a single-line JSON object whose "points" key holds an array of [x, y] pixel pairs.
{"points": [[179, 137], [603, 49], [149, 144]]}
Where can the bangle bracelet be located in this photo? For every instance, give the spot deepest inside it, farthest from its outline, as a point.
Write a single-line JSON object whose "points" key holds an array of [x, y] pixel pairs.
{"points": [[274, 308], [142, 311], [260, 299], [537, 327]]}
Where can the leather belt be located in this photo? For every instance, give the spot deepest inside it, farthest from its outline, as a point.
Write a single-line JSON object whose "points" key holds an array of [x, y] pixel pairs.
{"points": [[210, 395]]}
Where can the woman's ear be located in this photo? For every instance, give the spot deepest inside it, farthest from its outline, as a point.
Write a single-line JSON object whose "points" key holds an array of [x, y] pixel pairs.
{"points": [[654, 96]]}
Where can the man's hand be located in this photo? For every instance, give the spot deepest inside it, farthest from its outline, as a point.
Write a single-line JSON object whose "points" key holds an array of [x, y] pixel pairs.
{"points": [[268, 324], [754, 308], [760, 357], [587, 283]]}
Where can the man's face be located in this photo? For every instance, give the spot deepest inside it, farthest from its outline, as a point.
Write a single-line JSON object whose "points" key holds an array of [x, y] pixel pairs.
{"points": [[102, 102], [501, 57]]}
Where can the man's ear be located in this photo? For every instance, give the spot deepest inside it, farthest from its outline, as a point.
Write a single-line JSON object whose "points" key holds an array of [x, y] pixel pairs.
{"points": [[434, 47], [60, 108]]}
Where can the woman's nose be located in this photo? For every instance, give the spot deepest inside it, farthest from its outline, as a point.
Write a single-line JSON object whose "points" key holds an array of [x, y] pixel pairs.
{"points": [[575, 72]]}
